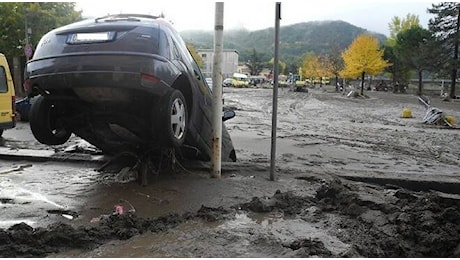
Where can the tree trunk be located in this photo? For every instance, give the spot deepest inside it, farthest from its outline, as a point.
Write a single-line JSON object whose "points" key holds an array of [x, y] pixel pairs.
{"points": [[362, 84], [419, 91], [17, 72], [454, 69], [336, 83]]}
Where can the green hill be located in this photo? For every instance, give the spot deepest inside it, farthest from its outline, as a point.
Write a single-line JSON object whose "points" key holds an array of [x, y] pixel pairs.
{"points": [[295, 40]]}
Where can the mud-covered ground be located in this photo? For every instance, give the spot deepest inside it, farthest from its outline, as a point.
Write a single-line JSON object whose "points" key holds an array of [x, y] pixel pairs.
{"points": [[354, 179]]}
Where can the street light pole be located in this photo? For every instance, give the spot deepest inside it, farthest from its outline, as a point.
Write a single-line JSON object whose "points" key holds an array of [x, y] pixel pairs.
{"points": [[275, 91], [217, 91], [26, 33]]}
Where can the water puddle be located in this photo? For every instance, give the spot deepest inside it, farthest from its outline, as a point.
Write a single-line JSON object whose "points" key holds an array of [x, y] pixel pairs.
{"points": [[255, 235]]}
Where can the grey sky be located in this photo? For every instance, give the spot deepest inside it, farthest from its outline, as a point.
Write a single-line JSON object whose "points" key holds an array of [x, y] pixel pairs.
{"points": [[258, 14]]}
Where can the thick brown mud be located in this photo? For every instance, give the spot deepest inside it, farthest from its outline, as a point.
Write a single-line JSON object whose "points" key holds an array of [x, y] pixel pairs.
{"points": [[414, 225]]}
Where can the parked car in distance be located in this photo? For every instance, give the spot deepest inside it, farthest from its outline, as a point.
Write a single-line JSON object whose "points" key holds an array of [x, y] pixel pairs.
{"points": [[122, 82], [227, 82], [240, 80], [7, 96]]}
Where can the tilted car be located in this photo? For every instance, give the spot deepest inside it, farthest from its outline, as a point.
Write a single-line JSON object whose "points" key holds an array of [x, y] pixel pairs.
{"points": [[124, 83]]}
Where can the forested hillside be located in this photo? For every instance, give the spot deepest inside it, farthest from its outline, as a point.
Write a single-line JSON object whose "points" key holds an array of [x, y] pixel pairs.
{"points": [[295, 40]]}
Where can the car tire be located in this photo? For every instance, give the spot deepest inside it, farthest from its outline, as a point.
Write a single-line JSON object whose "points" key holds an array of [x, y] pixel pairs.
{"points": [[45, 128], [173, 119]]}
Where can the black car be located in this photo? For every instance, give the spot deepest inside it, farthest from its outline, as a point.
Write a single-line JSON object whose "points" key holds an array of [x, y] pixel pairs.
{"points": [[122, 82]]}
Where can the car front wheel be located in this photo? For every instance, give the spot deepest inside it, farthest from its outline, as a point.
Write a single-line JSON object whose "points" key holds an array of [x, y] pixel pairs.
{"points": [[45, 125], [174, 116]]}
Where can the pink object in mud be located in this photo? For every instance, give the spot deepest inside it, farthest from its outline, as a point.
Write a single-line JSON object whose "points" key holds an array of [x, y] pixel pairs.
{"points": [[119, 209]]}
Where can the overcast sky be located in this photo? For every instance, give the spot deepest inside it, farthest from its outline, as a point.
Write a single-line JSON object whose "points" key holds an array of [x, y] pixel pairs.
{"points": [[254, 15]]}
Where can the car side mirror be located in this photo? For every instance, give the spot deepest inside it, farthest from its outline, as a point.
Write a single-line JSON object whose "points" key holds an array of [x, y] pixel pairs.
{"points": [[228, 114]]}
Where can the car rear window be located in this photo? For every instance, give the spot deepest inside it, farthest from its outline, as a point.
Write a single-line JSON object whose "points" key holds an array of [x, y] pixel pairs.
{"points": [[3, 82], [137, 39]]}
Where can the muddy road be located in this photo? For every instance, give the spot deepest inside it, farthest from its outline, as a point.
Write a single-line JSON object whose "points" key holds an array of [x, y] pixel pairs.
{"points": [[354, 179]]}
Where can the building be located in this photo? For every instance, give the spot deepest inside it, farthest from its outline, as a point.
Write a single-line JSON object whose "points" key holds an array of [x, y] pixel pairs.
{"points": [[229, 62]]}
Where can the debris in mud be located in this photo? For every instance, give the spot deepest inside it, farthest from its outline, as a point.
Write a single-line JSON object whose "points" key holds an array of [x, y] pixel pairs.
{"points": [[213, 214], [118, 209], [309, 247], [434, 115], [287, 203], [83, 147], [16, 168], [65, 213]]}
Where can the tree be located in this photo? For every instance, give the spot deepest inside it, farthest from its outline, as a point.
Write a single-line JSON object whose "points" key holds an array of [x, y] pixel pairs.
{"points": [[311, 66], [199, 61], [254, 64], [398, 25], [41, 18], [317, 67], [398, 69], [446, 26], [281, 65], [363, 56], [336, 63], [417, 49]]}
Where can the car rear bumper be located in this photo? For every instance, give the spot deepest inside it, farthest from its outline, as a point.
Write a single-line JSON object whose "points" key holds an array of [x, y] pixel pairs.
{"points": [[110, 70]]}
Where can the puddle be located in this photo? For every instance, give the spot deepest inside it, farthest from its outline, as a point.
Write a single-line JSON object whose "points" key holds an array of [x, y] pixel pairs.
{"points": [[257, 235]]}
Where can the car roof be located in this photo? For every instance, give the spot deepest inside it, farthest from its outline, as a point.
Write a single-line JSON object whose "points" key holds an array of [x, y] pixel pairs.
{"points": [[117, 20]]}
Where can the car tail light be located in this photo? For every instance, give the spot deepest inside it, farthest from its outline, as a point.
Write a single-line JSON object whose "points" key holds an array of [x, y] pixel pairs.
{"points": [[147, 79], [27, 86]]}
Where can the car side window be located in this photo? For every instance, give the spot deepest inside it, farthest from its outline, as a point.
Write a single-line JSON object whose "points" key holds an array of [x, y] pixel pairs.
{"points": [[3, 81]]}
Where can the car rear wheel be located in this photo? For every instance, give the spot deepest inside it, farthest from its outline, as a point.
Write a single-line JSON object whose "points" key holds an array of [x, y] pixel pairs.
{"points": [[45, 125], [174, 116]]}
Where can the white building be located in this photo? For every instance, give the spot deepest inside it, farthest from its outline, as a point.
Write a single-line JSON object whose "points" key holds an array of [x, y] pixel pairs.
{"points": [[229, 62]]}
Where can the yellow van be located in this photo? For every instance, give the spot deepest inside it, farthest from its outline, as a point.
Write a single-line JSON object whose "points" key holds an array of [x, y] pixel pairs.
{"points": [[7, 96], [240, 80]]}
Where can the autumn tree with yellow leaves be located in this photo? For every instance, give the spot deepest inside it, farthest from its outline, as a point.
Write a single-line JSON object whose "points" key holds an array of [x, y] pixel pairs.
{"points": [[362, 57], [199, 61], [316, 67]]}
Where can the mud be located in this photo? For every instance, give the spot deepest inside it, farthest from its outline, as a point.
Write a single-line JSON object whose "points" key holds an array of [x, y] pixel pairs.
{"points": [[414, 225], [353, 180]]}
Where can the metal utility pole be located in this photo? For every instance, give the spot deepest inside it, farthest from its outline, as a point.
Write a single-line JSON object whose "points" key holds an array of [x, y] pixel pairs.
{"points": [[217, 91], [275, 90], [27, 31]]}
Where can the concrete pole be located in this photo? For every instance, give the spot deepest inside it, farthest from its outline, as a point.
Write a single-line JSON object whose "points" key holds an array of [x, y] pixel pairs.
{"points": [[275, 91], [217, 91]]}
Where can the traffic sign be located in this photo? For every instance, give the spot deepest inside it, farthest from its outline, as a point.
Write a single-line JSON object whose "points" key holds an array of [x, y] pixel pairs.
{"points": [[28, 51]]}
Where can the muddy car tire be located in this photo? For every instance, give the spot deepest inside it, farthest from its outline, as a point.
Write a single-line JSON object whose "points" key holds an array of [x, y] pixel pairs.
{"points": [[45, 128], [174, 119]]}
